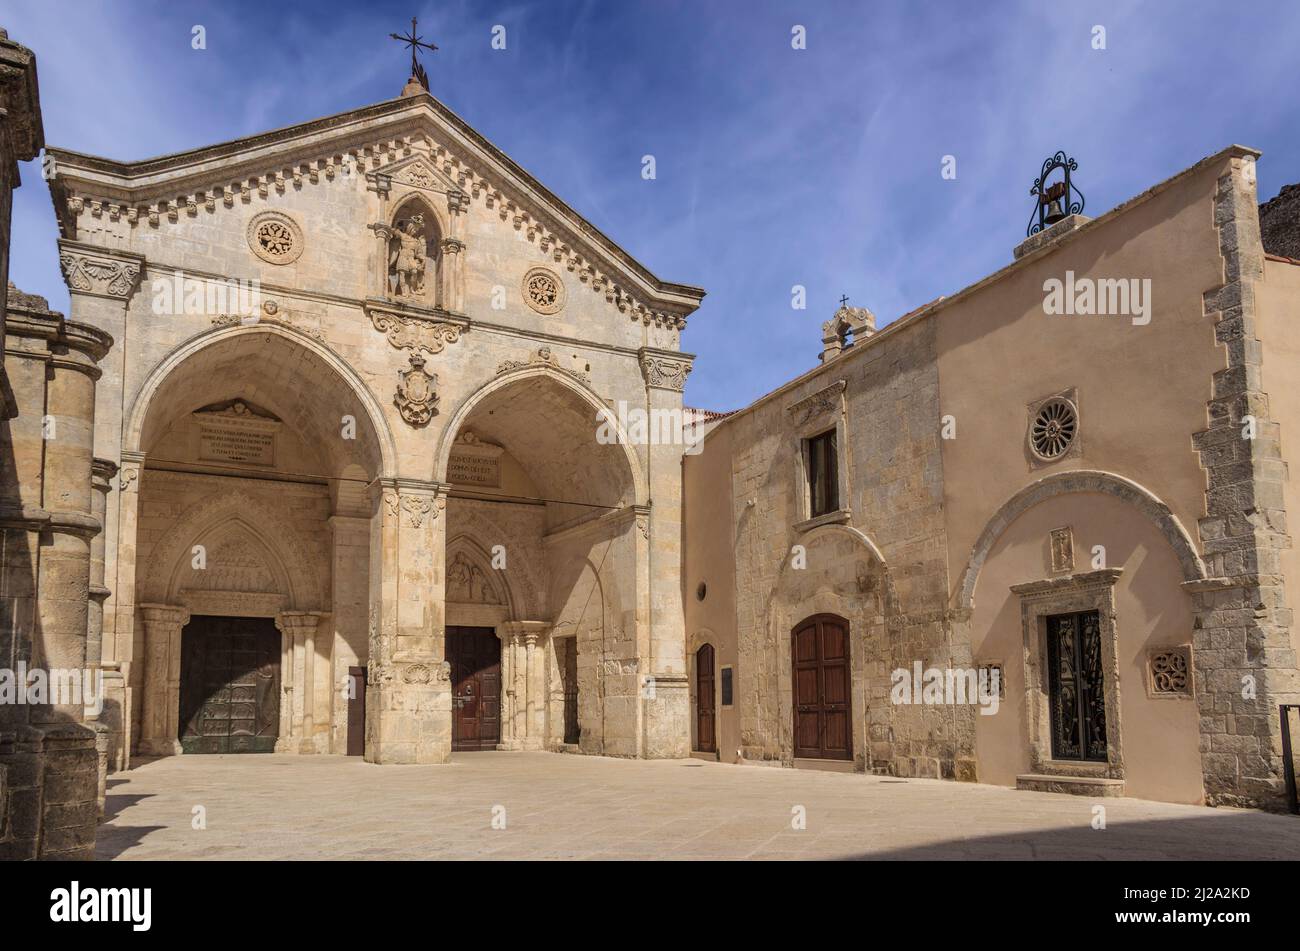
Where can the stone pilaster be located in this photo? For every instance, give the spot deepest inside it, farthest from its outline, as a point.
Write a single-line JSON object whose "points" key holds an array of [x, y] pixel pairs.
{"points": [[524, 647], [408, 699], [453, 247], [102, 283], [160, 717], [299, 681], [665, 698], [1243, 660]]}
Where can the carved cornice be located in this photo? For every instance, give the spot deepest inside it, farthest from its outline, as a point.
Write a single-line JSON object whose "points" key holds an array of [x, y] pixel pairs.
{"points": [[664, 370], [100, 273]]}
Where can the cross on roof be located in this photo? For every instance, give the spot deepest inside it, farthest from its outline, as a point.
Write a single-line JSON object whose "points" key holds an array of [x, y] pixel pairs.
{"points": [[844, 300], [414, 41]]}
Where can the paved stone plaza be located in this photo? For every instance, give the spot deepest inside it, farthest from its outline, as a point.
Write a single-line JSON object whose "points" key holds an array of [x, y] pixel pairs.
{"points": [[576, 807]]}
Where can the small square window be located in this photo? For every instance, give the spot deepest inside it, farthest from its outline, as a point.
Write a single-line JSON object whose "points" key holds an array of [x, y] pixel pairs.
{"points": [[823, 475]]}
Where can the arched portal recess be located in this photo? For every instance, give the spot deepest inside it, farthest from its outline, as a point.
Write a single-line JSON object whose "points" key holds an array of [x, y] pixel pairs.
{"points": [[244, 546], [556, 513]]}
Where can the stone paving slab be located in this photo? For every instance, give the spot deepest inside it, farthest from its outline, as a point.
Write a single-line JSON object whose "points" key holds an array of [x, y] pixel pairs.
{"points": [[560, 806]]}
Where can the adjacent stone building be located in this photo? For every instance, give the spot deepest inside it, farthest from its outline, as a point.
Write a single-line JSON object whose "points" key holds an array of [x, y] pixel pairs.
{"points": [[1089, 500]]}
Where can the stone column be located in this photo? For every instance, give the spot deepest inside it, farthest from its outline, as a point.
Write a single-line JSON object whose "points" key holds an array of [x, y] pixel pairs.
{"points": [[665, 689], [298, 629], [160, 718], [120, 607], [350, 537], [509, 692], [408, 700]]}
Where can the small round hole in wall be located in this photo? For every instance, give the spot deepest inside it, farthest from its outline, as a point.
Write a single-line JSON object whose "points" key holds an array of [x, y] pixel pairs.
{"points": [[701, 591]]}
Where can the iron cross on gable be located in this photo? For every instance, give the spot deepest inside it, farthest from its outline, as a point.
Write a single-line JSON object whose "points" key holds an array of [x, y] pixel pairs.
{"points": [[844, 300], [415, 42]]}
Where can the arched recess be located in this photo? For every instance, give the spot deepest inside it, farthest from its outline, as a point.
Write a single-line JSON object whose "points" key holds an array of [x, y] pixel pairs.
{"points": [[197, 373], [1077, 481], [843, 574], [587, 409], [477, 559], [220, 517]]}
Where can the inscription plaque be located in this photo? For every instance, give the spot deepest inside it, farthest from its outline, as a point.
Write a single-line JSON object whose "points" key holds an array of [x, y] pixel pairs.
{"points": [[237, 433]]}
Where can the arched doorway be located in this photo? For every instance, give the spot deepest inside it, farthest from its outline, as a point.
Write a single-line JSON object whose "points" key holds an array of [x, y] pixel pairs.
{"points": [[706, 716], [823, 709]]}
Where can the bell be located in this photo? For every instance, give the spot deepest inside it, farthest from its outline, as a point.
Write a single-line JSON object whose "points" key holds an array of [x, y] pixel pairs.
{"points": [[1053, 213]]}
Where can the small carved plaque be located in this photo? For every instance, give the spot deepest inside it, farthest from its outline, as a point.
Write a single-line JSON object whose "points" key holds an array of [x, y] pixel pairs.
{"points": [[474, 463], [1062, 549], [237, 433]]}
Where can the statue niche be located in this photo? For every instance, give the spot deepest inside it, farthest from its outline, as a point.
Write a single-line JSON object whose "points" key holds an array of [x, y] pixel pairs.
{"points": [[413, 255]]}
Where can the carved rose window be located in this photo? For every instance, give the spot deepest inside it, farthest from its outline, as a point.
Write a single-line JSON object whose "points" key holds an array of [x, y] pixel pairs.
{"points": [[543, 291], [275, 237], [1053, 428]]}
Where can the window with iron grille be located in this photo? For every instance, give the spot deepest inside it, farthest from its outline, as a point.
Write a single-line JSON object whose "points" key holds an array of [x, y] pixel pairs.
{"points": [[823, 475]]}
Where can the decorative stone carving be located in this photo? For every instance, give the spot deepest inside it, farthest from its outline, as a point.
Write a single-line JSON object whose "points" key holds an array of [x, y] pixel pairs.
{"points": [[129, 475], [824, 401], [1062, 543], [407, 331], [416, 399], [543, 357], [275, 237], [664, 373], [426, 673], [408, 257], [417, 507], [543, 290], [98, 274], [418, 175], [466, 582], [1169, 672]]}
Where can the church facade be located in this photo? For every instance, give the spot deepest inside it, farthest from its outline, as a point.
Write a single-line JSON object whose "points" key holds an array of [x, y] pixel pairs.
{"points": [[347, 422], [340, 463]]}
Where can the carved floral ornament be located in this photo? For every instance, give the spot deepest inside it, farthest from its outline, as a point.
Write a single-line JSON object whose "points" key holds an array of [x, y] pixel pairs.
{"points": [[544, 357], [275, 237], [416, 507], [99, 275]]}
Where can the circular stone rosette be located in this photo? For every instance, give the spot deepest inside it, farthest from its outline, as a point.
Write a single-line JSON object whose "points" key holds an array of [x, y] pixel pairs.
{"points": [[543, 290], [275, 237]]}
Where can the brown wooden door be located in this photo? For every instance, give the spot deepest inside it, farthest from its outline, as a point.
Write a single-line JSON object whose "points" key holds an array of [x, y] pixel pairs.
{"points": [[230, 685], [823, 715], [475, 657], [357, 711], [705, 709]]}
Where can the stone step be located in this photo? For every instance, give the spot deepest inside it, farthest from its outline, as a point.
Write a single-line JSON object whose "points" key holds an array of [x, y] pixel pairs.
{"points": [[1074, 785]]}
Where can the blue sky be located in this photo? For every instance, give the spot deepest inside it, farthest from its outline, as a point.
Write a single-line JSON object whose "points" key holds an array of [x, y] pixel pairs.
{"points": [[775, 166]]}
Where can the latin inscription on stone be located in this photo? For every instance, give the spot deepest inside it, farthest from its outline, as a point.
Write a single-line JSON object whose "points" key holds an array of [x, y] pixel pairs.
{"points": [[465, 469], [223, 445]]}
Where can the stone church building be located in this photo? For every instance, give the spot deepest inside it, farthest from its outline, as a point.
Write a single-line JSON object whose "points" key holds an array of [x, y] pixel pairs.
{"points": [[332, 456]]}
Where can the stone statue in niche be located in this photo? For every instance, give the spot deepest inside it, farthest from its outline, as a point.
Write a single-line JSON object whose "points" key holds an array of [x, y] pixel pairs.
{"points": [[408, 256]]}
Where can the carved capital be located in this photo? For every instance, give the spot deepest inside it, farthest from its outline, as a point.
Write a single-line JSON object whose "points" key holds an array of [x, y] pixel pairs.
{"points": [[100, 273], [664, 371]]}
